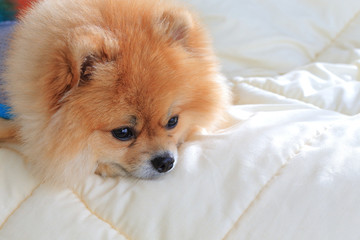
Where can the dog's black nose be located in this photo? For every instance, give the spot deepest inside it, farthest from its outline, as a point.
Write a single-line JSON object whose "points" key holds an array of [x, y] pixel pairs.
{"points": [[163, 163]]}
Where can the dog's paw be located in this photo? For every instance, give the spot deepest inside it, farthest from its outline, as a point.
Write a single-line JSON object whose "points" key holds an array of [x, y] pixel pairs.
{"points": [[107, 170]]}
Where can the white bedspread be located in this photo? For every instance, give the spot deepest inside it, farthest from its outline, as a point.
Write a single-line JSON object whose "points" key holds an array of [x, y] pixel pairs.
{"points": [[287, 167]]}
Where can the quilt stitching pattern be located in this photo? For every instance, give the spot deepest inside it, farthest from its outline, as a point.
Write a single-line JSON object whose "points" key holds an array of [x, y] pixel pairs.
{"points": [[276, 175], [28, 196], [332, 40], [110, 224], [19, 205], [76, 195]]}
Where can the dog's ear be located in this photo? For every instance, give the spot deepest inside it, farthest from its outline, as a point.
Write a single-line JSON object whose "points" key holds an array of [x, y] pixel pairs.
{"points": [[87, 68], [176, 24], [89, 46], [76, 59]]}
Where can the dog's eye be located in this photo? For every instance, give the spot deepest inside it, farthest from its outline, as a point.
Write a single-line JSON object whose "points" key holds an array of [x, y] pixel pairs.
{"points": [[172, 122], [123, 134]]}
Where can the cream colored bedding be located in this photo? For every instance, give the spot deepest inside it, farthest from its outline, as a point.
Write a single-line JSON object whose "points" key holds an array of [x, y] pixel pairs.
{"points": [[287, 167]]}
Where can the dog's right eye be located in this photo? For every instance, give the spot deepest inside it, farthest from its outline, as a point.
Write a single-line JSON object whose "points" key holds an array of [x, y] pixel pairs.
{"points": [[123, 134]]}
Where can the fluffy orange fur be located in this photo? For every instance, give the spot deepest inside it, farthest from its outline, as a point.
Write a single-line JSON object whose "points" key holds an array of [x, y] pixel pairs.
{"points": [[77, 70]]}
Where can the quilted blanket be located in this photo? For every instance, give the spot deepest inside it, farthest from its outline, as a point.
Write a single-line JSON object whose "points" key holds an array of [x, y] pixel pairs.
{"points": [[286, 167]]}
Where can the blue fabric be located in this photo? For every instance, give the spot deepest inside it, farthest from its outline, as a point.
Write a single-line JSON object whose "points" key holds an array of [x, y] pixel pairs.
{"points": [[7, 10], [5, 31], [5, 112]]}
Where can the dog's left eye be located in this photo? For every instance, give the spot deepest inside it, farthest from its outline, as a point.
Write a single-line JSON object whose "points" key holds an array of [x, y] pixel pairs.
{"points": [[172, 122], [123, 134]]}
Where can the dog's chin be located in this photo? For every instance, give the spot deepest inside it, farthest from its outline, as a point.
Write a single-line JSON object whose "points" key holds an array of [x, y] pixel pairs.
{"points": [[147, 173], [113, 169]]}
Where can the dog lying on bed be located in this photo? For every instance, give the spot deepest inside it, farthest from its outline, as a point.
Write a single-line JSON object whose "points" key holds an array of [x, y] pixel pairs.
{"points": [[109, 86]]}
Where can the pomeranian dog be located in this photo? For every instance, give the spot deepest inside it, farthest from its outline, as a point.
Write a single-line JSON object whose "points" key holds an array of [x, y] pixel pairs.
{"points": [[110, 86]]}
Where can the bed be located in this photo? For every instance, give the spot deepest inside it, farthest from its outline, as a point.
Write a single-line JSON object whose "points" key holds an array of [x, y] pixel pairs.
{"points": [[287, 165]]}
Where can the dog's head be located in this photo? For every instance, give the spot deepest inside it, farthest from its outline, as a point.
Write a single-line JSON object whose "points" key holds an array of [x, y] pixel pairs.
{"points": [[124, 94]]}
